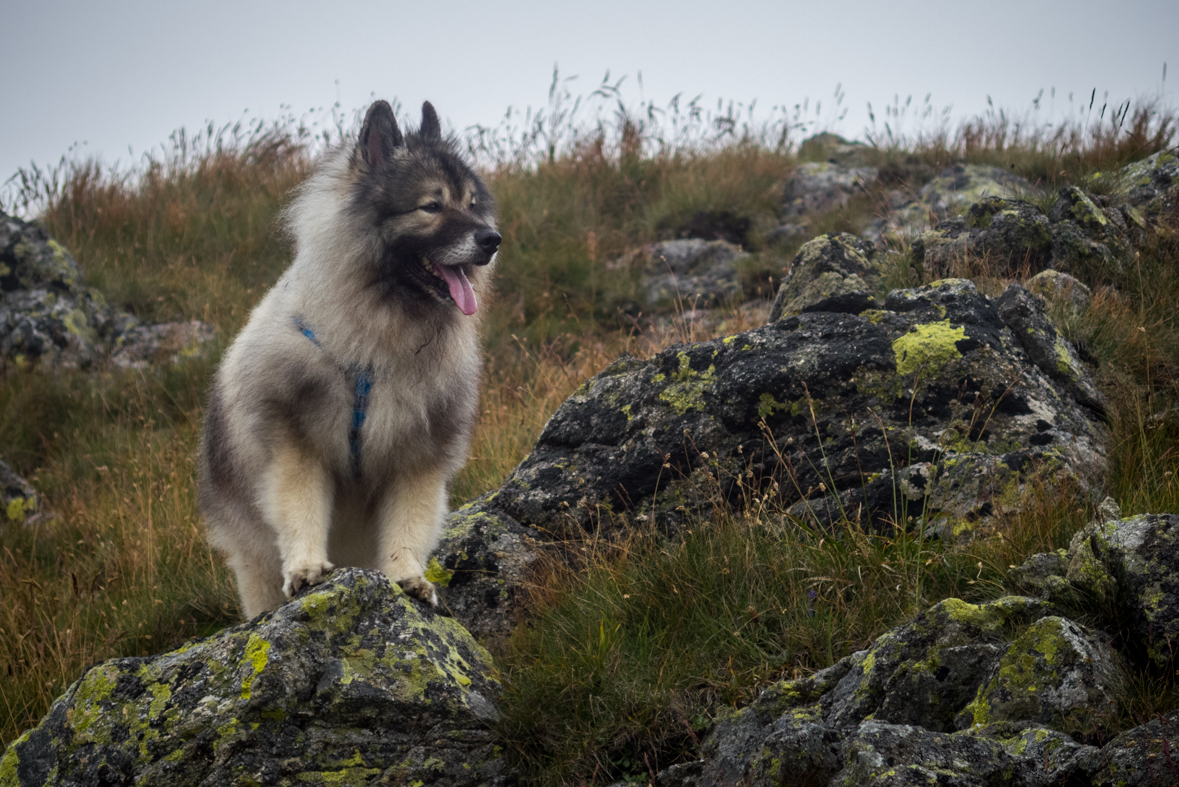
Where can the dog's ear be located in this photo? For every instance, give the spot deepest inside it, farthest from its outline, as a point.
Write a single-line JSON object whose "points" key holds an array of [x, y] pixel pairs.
{"points": [[431, 128], [379, 135]]}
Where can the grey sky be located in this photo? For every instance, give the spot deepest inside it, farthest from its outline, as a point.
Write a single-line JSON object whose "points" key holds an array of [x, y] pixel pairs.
{"points": [[129, 73]]}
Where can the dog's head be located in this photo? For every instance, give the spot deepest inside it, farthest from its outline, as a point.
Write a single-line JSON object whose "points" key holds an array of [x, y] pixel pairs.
{"points": [[432, 219]]}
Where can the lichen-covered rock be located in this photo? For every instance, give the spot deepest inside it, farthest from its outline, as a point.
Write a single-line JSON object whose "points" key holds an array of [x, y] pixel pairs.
{"points": [[689, 273], [895, 755], [1054, 673], [349, 683], [951, 191], [925, 672], [1050, 352], [1059, 288], [49, 317], [1148, 186], [1144, 755], [21, 503], [826, 146], [928, 408], [819, 187], [832, 273], [1134, 562], [481, 564], [1006, 235]]}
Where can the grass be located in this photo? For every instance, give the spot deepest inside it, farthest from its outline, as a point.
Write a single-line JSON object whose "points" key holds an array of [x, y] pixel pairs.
{"points": [[622, 665]]}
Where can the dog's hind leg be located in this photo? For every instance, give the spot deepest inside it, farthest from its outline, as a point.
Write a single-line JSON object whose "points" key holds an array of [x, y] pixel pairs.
{"points": [[411, 516], [259, 583], [297, 503]]}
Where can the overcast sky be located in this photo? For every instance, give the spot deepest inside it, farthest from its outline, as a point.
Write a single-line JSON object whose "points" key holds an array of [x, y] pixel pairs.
{"points": [[94, 79]]}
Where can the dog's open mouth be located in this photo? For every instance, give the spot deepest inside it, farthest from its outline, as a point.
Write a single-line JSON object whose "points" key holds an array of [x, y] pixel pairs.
{"points": [[456, 282]]}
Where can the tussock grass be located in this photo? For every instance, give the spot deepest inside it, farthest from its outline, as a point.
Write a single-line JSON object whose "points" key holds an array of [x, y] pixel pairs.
{"points": [[639, 671]]}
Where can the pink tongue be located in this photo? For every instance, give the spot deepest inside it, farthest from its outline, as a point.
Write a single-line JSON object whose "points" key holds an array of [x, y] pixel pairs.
{"points": [[460, 289]]}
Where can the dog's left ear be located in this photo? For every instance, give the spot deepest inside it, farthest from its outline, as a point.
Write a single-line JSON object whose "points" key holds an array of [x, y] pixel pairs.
{"points": [[431, 128]]}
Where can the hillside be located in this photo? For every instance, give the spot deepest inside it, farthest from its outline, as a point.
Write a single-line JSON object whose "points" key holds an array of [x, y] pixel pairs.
{"points": [[752, 410]]}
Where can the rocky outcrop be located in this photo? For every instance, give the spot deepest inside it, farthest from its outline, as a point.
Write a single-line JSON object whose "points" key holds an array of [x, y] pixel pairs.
{"points": [[1150, 186], [49, 317], [967, 694], [349, 683], [687, 274], [930, 408], [820, 187]]}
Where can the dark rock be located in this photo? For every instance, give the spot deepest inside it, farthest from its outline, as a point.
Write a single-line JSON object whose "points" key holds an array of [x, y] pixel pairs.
{"points": [[935, 377], [832, 273], [717, 225], [1050, 352], [349, 683], [1145, 755], [833, 148], [1148, 187], [1008, 236], [1059, 288], [481, 564]]}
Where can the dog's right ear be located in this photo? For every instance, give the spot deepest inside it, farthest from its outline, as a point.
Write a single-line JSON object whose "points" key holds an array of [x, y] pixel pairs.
{"points": [[379, 135]]}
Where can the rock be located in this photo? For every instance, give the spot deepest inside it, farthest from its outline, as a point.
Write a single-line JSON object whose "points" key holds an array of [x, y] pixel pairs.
{"points": [[1134, 564], [785, 234], [935, 377], [1054, 673], [821, 187], [832, 273], [895, 755], [833, 148], [1050, 352], [1059, 288], [349, 683], [1145, 755], [1148, 186], [22, 504], [481, 564], [688, 273], [1005, 235], [49, 317], [144, 345], [1042, 575], [927, 671], [951, 191]]}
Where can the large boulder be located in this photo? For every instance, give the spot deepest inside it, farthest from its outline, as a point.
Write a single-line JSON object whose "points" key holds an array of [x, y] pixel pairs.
{"points": [[902, 713], [819, 187], [48, 316], [1149, 186], [929, 409], [687, 273], [349, 683]]}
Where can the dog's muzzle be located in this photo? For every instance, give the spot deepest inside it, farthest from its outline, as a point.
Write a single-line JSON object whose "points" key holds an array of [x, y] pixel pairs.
{"points": [[488, 241]]}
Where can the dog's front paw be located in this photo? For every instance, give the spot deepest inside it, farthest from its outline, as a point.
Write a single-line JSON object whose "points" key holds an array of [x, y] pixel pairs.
{"points": [[298, 577], [420, 587]]}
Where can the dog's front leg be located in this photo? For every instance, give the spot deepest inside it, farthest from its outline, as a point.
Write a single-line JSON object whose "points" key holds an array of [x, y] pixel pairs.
{"points": [[297, 503], [411, 516]]}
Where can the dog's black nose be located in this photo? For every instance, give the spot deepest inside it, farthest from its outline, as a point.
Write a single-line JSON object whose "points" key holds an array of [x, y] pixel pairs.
{"points": [[488, 240]]}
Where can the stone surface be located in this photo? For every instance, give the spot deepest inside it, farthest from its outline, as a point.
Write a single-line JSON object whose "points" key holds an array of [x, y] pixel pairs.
{"points": [[935, 380], [819, 187], [481, 564], [832, 273], [688, 273], [349, 683], [1059, 288], [1149, 186], [1144, 755], [49, 317], [21, 503]]}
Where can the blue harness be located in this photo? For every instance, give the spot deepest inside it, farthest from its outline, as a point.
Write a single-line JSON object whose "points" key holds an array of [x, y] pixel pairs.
{"points": [[363, 387]]}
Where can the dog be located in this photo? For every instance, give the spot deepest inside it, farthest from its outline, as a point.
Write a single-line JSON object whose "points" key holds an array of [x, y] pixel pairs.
{"points": [[340, 413]]}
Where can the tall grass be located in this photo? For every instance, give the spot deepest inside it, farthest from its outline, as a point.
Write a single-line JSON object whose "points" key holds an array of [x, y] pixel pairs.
{"points": [[191, 233]]}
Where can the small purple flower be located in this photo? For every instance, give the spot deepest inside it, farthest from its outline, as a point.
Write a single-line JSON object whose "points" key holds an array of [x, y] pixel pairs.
{"points": [[812, 594]]}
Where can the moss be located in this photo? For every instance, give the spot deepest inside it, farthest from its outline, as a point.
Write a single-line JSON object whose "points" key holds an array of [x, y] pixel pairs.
{"points": [[257, 653], [10, 761], [436, 573], [928, 348]]}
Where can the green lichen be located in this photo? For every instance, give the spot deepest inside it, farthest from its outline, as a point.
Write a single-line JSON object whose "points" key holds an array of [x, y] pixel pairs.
{"points": [[767, 405], [436, 573], [686, 391], [95, 687], [10, 761], [257, 653], [626, 412], [873, 316], [20, 507], [343, 776], [928, 348], [1064, 363]]}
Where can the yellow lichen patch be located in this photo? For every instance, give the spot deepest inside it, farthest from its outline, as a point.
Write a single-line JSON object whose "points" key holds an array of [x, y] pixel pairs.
{"points": [[928, 348], [437, 573], [686, 392], [257, 653]]}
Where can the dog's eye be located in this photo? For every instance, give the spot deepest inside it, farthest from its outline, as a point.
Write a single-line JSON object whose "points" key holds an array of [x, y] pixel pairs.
{"points": [[432, 207]]}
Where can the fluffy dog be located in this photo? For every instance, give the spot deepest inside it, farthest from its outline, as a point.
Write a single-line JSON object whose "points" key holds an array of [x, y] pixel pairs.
{"points": [[343, 409]]}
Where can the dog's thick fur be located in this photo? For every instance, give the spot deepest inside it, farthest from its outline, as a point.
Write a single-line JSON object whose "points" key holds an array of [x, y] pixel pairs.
{"points": [[388, 232]]}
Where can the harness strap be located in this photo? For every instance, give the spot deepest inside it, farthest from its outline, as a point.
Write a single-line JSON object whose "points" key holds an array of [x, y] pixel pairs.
{"points": [[363, 387]]}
